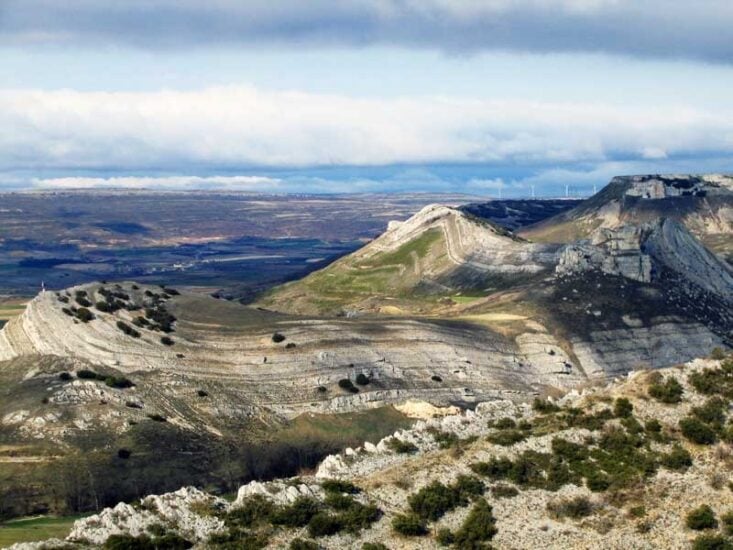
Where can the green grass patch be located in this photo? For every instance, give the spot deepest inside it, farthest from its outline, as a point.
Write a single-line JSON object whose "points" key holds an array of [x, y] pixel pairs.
{"points": [[35, 529]]}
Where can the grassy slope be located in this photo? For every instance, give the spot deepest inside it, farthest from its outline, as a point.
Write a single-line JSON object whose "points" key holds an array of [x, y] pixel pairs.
{"points": [[354, 278], [35, 529]]}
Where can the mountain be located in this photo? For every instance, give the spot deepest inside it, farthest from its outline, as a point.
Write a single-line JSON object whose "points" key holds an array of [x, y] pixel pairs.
{"points": [[704, 204], [639, 463], [437, 253], [108, 389]]}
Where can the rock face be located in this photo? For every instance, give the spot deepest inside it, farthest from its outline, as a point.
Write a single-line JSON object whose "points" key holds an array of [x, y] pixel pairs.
{"points": [[703, 204], [649, 514]]}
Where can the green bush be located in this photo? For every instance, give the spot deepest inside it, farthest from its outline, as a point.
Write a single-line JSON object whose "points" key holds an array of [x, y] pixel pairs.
{"points": [[127, 329], [301, 544], [202, 393], [409, 525], [323, 524], [701, 518], [574, 508], [157, 418], [727, 521], [507, 438], [436, 378], [677, 459], [297, 514], [495, 468], [119, 382], [348, 385], [469, 486], [339, 486], [711, 542], [697, 431], [718, 354], [86, 374], [277, 337], [653, 426], [544, 406], [713, 411], [84, 315], [254, 511], [362, 379], [670, 391], [65, 376], [505, 423], [622, 408], [166, 340], [401, 447], [433, 501], [478, 527], [373, 546]]}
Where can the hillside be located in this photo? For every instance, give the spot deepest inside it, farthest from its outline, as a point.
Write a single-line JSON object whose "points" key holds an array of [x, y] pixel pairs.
{"points": [[640, 463], [437, 253], [704, 204]]}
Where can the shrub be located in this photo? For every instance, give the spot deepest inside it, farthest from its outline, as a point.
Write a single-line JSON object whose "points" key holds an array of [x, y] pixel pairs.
{"points": [[697, 431], [478, 527], [277, 337], [507, 438], [254, 511], [373, 546], [290, 345], [574, 508], [322, 389], [127, 329], [157, 417], [86, 374], [166, 340], [202, 393], [505, 423], [701, 518], [670, 391], [401, 447], [348, 385], [433, 501], [359, 516], [436, 378], [469, 486], [496, 468], [124, 453], [297, 514], [84, 315], [301, 544], [622, 408], [713, 411], [445, 537], [339, 486], [653, 426], [119, 382], [727, 521], [711, 542], [323, 524], [677, 459], [409, 525], [65, 376], [133, 405], [544, 406], [362, 379]]}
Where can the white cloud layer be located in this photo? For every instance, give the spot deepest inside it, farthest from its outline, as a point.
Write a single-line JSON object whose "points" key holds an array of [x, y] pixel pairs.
{"points": [[240, 183], [235, 127], [657, 28]]}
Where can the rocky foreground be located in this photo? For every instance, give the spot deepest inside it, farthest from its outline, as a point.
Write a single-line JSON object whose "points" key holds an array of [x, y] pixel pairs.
{"points": [[644, 462]]}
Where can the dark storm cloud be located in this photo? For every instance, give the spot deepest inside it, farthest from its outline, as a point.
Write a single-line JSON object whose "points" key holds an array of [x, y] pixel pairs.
{"points": [[646, 28]]}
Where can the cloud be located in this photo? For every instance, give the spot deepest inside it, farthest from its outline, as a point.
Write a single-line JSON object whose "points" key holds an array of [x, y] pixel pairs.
{"points": [[239, 183], [231, 128], [646, 28]]}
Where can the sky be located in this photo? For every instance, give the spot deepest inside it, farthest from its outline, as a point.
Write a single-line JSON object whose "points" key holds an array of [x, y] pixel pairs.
{"points": [[486, 97]]}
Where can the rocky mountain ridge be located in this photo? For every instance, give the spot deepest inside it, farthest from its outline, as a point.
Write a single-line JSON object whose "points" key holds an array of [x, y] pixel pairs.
{"points": [[555, 474]]}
